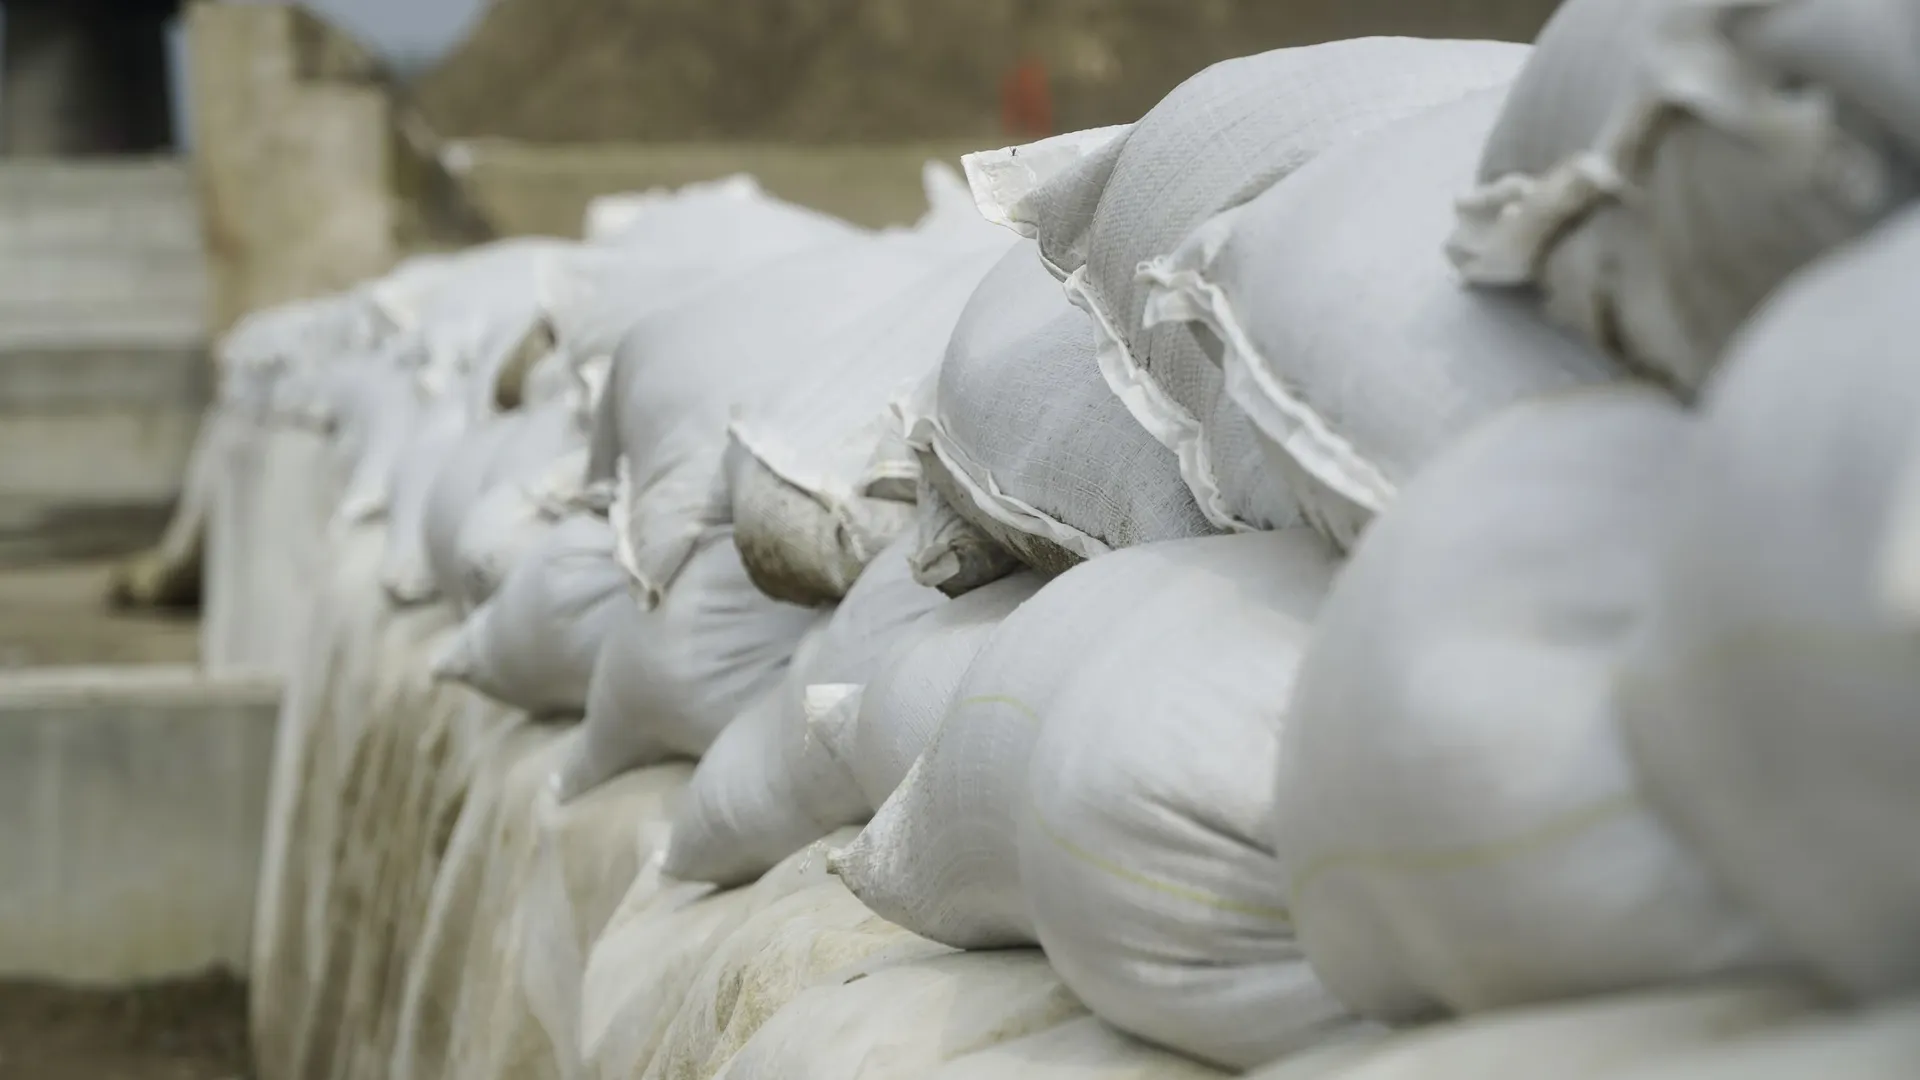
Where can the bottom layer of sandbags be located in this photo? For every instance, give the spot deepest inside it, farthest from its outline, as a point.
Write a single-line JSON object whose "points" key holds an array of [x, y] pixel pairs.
{"points": [[428, 911]]}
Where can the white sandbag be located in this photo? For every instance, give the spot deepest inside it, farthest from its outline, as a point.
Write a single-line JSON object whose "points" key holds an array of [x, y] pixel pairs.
{"points": [[1458, 821], [767, 787], [900, 708], [1145, 844], [898, 1021], [1879, 1045], [1770, 708], [1345, 336], [808, 937], [813, 500], [481, 311], [679, 372], [654, 948], [511, 507], [940, 856], [377, 411], [1589, 1040], [534, 643], [669, 680], [1084, 1049], [404, 570], [951, 553], [1216, 141], [1028, 441], [668, 248], [1741, 139]]}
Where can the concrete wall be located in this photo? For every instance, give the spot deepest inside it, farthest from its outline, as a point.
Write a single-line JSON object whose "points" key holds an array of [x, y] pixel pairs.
{"points": [[131, 809], [103, 298], [521, 189], [311, 179]]}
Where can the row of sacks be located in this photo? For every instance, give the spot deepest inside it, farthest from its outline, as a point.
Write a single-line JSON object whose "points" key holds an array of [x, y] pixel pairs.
{"points": [[1440, 647]]}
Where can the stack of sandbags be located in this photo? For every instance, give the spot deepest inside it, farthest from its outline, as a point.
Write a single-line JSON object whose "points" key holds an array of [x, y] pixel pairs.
{"points": [[1662, 167], [1218, 140]]}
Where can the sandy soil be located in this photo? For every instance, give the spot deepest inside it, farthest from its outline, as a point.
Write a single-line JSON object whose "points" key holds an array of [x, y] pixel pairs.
{"points": [[57, 615]]}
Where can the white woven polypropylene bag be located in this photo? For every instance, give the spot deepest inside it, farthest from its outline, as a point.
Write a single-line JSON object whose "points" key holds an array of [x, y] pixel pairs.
{"points": [[1741, 138], [768, 787], [534, 643], [900, 708], [940, 856], [1031, 445], [1458, 821], [678, 373], [1771, 707], [813, 500], [1217, 140], [1146, 852], [669, 680], [1345, 335], [404, 571]]}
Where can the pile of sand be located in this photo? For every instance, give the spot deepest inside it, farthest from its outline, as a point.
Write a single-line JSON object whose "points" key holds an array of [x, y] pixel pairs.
{"points": [[873, 70]]}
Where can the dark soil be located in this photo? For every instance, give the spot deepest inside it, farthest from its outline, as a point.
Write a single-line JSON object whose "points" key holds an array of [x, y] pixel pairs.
{"points": [[192, 1029]]}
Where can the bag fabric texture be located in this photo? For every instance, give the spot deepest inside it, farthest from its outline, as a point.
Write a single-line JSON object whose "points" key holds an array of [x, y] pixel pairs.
{"points": [[1214, 142], [1344, 333], [1740, 140], [1145, 846], [1770, 706], [1459, 824]]}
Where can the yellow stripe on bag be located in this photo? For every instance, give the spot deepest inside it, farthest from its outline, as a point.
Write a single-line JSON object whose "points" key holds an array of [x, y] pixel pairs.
{"points": [[1556, 831]]}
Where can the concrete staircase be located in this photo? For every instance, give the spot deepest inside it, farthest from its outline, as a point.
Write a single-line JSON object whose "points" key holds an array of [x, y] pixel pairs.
{"points": [[103, 361]]}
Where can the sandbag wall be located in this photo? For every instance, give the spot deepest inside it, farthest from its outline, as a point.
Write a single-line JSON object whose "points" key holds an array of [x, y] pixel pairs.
{"points": [[1403, 562]]}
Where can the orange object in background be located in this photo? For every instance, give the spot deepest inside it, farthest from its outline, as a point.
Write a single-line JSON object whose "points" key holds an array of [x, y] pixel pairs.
{"points": [[1026, 105]]}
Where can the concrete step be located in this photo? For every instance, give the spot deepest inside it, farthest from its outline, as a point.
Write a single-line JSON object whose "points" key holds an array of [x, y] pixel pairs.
{"points": [[103, 362], [132, 803]]}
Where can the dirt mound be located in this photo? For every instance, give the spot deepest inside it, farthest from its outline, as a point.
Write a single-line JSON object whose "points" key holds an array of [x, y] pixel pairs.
{"points": [[873, 70]]}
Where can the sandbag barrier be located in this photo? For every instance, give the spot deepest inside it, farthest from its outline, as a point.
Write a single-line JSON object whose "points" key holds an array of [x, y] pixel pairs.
{"points": [[1151, 618]]}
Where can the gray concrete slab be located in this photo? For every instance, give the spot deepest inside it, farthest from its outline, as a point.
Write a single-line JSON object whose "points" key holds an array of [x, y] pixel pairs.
{"points": [[131, 808]]}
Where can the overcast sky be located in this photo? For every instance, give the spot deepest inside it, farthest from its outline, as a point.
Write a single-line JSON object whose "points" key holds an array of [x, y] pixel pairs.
{"points": [[410, 30]]}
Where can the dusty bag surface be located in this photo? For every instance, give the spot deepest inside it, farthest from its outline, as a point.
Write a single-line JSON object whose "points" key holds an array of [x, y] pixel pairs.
{"points": [[1145, 846], [503, 457], [768, 787], [900, 708], [666, 682], [815, 498], [1029, 443], [1458, 821], [1213, 143], [1084, 1049], [1345, 335], [897, 1021], [655, 946], [815, 936], [1770, 707], [534, 643], [1740, 140], [1588, 1040]]}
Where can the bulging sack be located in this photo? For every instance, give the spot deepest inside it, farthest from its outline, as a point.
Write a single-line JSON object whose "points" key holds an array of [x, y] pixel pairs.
{"points": [[1771, 706], [1028, 443], [814, 496], [533, 645], [1219, 139], [1145, 846], [1344, 334], [678, 374], [1740, 139], [669, 680], [1457, 819], [768, 787], [899, 709], [404, 570]]}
